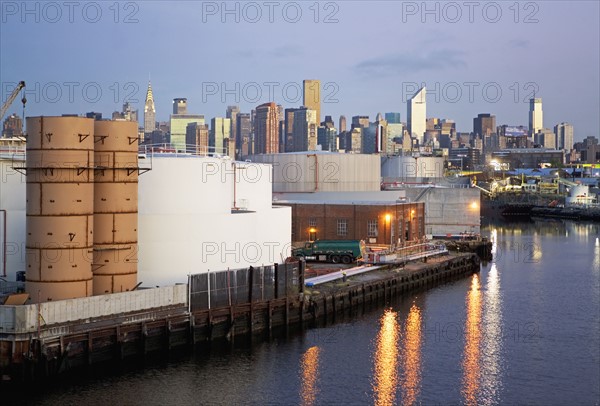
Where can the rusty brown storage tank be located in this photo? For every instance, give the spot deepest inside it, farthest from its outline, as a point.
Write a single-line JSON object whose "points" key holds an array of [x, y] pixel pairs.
{"points": [[60, 207], [115, 206]]}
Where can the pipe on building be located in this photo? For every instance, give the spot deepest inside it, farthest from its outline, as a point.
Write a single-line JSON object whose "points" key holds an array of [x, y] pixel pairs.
{"points": [[316, 171]]}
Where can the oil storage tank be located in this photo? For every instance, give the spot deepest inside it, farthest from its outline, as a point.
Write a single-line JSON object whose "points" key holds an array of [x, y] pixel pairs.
{"points": [[59, 207], [115, 206]]}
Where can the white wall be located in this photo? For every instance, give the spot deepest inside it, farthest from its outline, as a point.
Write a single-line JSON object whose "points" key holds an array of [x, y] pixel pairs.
{"points": [[186, 224], [12, 199]]}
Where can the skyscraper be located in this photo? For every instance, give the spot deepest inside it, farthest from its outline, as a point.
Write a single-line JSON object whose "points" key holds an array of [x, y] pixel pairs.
{"points": [[244, 130], [149, 113], [289, 129], [536, 116], [416, 115], [218, 138], [266, 127], [484, 125], [312, 97], [232, 112], [305, 129], [564, 136], [180, 106], [392, 118], [342, 124]]}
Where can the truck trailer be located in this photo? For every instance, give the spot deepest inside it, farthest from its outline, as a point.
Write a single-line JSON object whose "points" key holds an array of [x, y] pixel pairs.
{"points": [[336, 251]]}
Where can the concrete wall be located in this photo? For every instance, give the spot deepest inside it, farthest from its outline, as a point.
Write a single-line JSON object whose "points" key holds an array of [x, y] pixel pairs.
{"points": [[314, 171], [24, 319], [449, 210]]}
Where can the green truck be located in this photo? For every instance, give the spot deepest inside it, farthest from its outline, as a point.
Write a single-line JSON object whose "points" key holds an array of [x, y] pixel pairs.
{"points": [[336, 251]]}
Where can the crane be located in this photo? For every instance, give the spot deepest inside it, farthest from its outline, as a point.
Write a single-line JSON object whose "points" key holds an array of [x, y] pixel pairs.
{"points": [[12, 98]]}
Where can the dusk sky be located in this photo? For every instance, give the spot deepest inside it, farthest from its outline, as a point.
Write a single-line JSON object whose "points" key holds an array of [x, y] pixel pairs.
{"points": [[369, 56]]}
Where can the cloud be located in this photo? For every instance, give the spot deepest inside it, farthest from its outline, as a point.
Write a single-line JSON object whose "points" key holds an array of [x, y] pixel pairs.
{"points": [[411, 63], [282, 52]]}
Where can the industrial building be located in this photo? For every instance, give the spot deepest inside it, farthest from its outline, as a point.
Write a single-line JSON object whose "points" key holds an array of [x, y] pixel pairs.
{"points": [[376, 217], [321, 171], [188, 213]]}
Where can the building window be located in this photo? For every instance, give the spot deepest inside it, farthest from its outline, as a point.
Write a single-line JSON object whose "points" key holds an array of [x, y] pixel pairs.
{"points": [[342, 227], [312, 222], [372, 228]]}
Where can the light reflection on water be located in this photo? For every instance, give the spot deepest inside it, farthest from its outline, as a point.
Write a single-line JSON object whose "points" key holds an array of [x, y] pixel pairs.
{"points": [[309, 373], [411, 385], [472, 350], [385, 378]]}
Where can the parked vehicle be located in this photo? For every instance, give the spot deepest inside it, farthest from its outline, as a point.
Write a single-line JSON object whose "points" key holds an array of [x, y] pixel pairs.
{"points": [[336, 251]]}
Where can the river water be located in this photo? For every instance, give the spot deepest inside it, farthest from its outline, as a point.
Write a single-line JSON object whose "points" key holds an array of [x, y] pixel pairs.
{"points": [[525, 330]]}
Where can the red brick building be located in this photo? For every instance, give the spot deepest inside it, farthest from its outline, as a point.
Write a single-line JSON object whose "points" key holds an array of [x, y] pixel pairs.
{"points": [[331, 216]]}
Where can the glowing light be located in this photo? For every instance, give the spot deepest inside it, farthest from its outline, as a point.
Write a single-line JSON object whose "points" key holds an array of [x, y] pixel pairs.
{"points": [[309, 374], [388, 217], [474, 205], [471, 356], [412, 357], [386, 360], [312, 230]]}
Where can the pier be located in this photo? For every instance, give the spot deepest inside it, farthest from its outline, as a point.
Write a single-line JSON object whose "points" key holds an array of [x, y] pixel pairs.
{"points": [[36, 343]]}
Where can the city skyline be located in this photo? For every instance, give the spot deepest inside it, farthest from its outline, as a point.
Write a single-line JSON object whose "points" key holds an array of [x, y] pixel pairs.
{"points": [[365, 73]]}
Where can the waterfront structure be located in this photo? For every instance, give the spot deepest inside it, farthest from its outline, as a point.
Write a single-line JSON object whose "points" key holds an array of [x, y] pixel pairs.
{"points": [[266, 128], [536, 116], [312, 97], [527, 157], [416, 115], [564, 136], [375, 217]]}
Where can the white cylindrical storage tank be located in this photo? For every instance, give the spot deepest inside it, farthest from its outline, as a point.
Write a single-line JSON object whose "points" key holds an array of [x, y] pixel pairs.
{"points": [[115, 206], [318, 171], [408, 167], [59, 208]]}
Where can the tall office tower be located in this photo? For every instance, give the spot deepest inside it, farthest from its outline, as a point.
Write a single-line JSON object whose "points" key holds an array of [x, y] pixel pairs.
{"points": [[327, 135], [244, 129], [149, 113], [218, 138], [179, 122], [180, 106], [564, 136], [232, 112], [342, 124], [416, 115], [546, 138], [536, 116], [196, 139], [360, 121], [484, 125], [128, 113], [305, 129], [312, 97], [288, 118], [266, 127], [392, 118]]}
